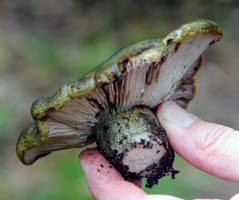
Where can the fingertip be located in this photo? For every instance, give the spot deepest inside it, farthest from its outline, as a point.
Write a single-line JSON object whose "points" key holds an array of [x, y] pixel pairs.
{"points": [[86, 154], [95, 166], [104, 180], [172, 116], [161, 108]]}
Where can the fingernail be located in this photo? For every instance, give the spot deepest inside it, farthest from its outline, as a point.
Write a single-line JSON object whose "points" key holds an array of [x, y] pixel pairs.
{"points": [[172, 114]]}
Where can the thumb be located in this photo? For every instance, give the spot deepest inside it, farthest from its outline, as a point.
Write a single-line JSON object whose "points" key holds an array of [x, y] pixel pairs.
{"points": [[210, 147]]}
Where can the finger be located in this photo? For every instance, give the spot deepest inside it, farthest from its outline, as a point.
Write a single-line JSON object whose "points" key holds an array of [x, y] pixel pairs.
{"points": [[105, 183], [211, 147], [235, 197]]}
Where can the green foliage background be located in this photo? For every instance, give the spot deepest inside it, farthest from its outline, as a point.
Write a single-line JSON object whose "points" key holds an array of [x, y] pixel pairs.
{"points": [[44, 44]]}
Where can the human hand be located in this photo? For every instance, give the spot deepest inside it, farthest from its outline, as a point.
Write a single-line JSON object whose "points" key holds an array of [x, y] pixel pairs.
{"points": [[210, 147]]}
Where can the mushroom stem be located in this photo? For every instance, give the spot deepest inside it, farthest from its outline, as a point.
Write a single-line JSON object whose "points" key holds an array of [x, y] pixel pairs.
{"points": [[136, 144]]}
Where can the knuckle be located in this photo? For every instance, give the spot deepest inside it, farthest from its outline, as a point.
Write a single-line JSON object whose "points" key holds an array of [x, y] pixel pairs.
{"points": [[213, 139]]}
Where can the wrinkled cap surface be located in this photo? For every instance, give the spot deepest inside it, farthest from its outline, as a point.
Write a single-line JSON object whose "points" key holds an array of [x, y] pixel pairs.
{"points": [[146, 73]]}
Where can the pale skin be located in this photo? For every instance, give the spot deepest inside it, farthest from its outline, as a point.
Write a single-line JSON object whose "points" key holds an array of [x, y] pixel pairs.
{"points": [[210, 147]]}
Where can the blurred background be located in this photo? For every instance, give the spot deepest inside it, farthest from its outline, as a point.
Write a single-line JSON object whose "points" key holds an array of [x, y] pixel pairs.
{"points": [[45, 44]]}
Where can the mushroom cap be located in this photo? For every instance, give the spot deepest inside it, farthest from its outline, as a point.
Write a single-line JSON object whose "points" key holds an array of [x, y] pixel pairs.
{"points": [[146, 73]]}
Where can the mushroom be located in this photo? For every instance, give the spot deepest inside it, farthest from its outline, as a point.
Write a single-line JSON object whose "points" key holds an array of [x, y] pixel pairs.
{"points": [[114, 105]]}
